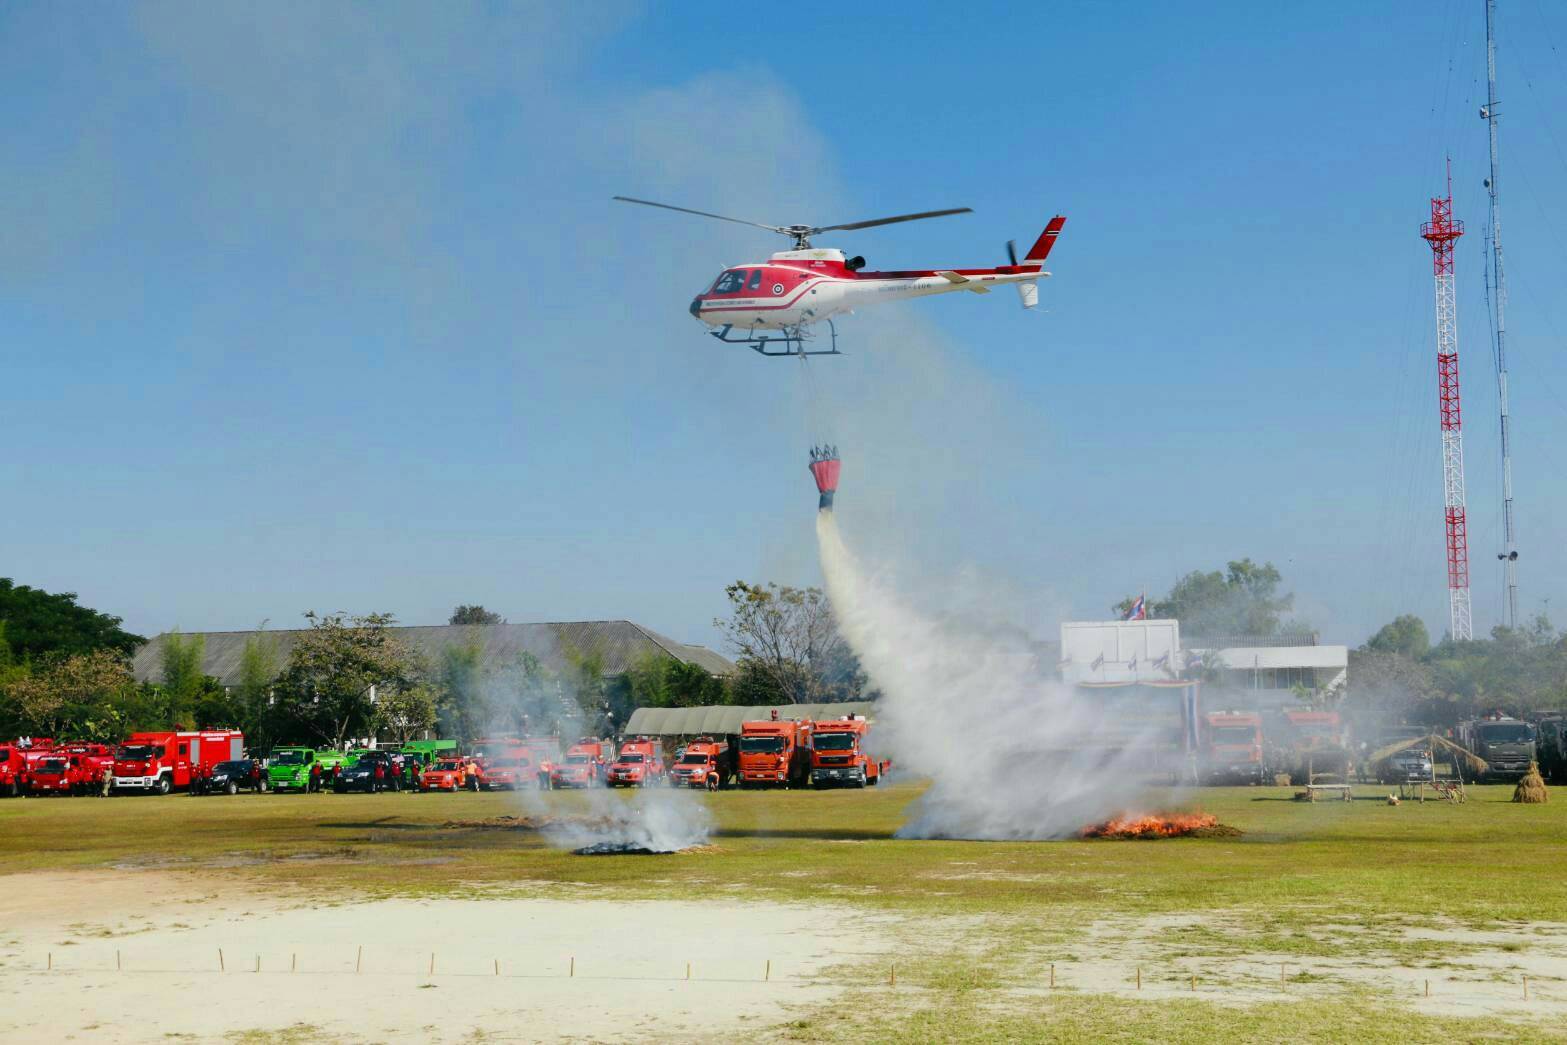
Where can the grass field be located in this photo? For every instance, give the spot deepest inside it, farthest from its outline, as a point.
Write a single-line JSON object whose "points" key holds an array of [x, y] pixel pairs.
{"points": [[1318, 922]]}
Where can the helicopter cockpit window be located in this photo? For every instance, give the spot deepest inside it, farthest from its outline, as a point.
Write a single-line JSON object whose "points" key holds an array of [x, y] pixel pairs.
{"points": [[730, 282], [756, 280]]}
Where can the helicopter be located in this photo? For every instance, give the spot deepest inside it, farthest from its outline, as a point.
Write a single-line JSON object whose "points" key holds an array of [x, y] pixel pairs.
{"points": [[771, 306]]}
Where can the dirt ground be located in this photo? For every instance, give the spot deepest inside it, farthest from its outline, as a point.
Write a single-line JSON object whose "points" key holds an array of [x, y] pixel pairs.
{"points": [[135, 957]]}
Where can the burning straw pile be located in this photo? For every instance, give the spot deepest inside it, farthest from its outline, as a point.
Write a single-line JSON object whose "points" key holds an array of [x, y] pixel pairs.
{"points": [[1179, 825]]}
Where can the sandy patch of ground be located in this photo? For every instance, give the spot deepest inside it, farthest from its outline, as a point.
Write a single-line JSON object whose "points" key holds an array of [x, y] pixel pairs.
{"points": [[1469, 972], [629, 963]]}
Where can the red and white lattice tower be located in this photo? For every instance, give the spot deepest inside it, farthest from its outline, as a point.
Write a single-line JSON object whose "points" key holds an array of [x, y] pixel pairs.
{"points": [[1442, 232]]}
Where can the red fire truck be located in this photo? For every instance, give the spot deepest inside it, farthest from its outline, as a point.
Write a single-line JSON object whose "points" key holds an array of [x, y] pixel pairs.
{"points": [[165, 761], [57, 773], [94, 758], [13, 770]]}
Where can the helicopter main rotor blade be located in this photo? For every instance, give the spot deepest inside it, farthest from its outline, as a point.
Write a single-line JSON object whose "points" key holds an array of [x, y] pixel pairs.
{"points": [[702, 213], [892, 221]]}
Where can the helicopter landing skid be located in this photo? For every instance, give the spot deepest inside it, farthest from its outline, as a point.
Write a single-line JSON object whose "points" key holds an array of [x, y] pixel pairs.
{"points": [[791, 341]]}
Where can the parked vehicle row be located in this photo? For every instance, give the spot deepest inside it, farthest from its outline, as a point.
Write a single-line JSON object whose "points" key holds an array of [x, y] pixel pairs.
{"points": [[776, 753]]}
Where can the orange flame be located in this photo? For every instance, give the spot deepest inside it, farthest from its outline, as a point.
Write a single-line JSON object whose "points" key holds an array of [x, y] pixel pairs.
{"points": [[1150, 826]]}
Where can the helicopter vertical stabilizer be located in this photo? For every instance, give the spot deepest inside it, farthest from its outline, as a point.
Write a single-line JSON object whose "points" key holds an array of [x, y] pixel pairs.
{"points": [[1035, 258]]}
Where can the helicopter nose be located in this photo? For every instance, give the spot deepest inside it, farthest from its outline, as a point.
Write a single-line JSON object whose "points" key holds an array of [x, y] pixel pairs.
{"points": [[696, 307]]}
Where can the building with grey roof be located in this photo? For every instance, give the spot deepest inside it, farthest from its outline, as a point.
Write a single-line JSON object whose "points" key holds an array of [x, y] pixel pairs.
{"points": [[618, 643]]}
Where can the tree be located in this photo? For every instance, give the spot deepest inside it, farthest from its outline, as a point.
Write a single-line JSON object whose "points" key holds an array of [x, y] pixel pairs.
{"points": [[788, 635], [588, 689], [474, 615], [1243, 600], [405, 712], [1406, 635], [184, 683], [66, 695], [325, 688], [660, 681], [462, 686], [39, 624]]}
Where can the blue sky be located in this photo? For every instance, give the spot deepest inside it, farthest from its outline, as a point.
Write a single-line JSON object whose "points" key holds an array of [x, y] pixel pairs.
{"points": [[329, 308]]}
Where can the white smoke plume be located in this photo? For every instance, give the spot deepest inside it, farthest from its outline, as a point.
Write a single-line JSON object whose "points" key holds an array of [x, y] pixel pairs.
{"points": [[655, 819], [1011, 754]]}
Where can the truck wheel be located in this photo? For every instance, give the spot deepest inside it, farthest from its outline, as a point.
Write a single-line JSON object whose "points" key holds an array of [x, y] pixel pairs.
{"points": [[11, 790], [261, 786], [164, 785], [232, 788]]}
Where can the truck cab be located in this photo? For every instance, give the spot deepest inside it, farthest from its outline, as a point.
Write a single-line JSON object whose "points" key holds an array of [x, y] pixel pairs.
{"points": [[839, 757], [294, 769], [1307, 744], [1507, 744], [639, 764], [13, 770], [156, 762], [56, 773], [1551, 747], [584, 764], [775, 753], [1232, 748], [704, 762]]}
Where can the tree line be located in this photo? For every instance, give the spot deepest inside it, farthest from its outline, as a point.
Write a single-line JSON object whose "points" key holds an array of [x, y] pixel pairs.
{"points": [[65, 670], [1399, 674]]}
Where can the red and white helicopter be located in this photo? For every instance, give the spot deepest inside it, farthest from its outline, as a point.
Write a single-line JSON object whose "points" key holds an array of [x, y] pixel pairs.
{"points": [[795, 289]]}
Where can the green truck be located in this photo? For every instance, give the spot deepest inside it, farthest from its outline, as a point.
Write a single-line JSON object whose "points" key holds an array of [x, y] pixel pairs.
{"points": [[428, 751], [332, 763], [294, 769]]}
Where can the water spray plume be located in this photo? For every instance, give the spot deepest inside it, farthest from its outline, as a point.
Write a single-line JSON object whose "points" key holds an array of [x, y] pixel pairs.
{"points": [[1010, 752]]}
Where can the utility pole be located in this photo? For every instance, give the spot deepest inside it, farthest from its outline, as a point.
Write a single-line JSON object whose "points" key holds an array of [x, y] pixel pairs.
{"points": [[1441, 232], [1509, 553]]}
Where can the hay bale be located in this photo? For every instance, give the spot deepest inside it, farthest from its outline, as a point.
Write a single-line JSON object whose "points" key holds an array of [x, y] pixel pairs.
{"points": [[1532, 787]]}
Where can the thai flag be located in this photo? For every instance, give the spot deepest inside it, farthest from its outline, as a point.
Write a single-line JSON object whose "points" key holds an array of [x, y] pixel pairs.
{"points": [[1139, 610], [1098, 663], [1162, 661]]}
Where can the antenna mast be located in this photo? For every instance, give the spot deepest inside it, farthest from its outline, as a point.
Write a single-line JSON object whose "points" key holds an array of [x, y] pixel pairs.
{"points": [[1441, 232], [1509, 553]]}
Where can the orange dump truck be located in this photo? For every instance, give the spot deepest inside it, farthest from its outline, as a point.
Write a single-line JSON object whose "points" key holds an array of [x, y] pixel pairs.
{"points": [[839, 757], [775, 753], [1232, 748], [705, 763]]}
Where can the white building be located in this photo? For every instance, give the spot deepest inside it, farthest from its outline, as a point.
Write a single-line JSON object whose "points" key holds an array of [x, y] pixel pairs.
{"points": [[1260, 672], [1120, 650], [1276, 671]]}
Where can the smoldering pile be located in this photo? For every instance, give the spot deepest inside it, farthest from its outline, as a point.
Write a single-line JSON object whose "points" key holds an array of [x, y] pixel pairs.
{"points": [[648, 822]]}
